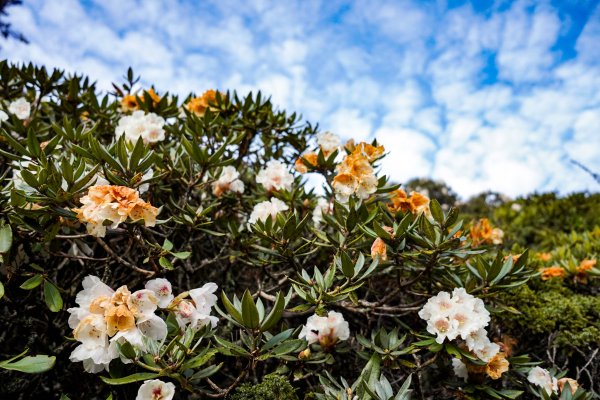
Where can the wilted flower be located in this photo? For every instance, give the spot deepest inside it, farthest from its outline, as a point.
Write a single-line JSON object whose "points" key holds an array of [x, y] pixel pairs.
{"points": [[228, 182], [379, 249], [327, 331], [302, 161], [555, 271], [328, 142], [562, 382], [114, 204], [275, 176], [199, 105], [542, 378], [156, 389], [264, 209], [139, 124], [21, 108]]}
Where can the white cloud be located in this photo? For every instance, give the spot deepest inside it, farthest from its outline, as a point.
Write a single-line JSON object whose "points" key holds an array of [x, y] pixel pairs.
{"points": [[482, 100]]}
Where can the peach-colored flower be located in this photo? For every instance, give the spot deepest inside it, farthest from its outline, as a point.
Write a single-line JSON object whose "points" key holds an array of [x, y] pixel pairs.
{"points": [[371, 152], [586, 265], [553, 272], [119, 318], [497, 366], [114, 204], [415, 203], [310, 158], [562, 382], [379, 249], [199, 105], [544, 256]]}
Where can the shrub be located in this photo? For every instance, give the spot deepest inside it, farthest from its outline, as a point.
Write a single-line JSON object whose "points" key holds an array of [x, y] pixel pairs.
{"points": [[166, 246]]}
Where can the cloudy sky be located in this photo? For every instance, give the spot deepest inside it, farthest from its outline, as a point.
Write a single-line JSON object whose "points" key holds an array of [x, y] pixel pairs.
{"points": [[484, 95]]}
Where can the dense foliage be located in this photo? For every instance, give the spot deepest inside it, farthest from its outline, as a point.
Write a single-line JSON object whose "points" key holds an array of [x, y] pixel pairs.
{"points": [[122, 213]]}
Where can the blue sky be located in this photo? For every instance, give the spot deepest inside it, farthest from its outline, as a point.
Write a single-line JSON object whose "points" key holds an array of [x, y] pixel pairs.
{"points": [[484, 95]]}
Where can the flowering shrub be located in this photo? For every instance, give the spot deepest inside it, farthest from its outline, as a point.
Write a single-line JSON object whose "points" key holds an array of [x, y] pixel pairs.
{"points": [[356, 289]]}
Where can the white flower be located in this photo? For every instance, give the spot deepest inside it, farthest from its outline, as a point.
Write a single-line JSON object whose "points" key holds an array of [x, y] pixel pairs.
{"points": [[21, 108], [162, 290], [156, 389], [329, 142], [275, 176], [460, 314], [196, 313], [3, 116], [488, 351], [516, 207], [541, 377], [264, 209], [325, 330], [323, 206], [460, 369], [228, 181], [147, 126]]}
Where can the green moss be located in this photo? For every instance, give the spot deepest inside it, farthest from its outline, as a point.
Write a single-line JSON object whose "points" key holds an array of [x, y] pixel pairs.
{"points": [[555, 308], [273, 387]]}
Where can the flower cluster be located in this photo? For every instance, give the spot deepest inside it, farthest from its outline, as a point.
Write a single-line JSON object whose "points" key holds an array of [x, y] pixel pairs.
{"points": [[483, 233], [326, 331], [355, 174], [416, 203], [139, 124], [115, 204], [228, 182], [105, 317], [266, 209], [461, 315], [130, 101], [199, 105], [579, 272], [275, 176]]}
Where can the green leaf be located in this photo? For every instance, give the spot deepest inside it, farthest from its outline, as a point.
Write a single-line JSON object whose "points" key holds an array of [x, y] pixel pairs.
{"points": [[182, 255], [234, 312], [275, 315], [141, 376], [5, 238], [52, 296], [436, 211], [167, 245], [1, 290], [166, 264], [32, 282], [249, 311], [200, 359], [30, 364]]}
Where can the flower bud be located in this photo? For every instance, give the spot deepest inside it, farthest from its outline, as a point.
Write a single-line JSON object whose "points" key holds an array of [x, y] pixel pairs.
{"points": [[379, 249]]}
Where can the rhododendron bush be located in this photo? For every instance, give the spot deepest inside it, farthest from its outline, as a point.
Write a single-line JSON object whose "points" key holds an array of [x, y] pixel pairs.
{"points": [[156, 247]]}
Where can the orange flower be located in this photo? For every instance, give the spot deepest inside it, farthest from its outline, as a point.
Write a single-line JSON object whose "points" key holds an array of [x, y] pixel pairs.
{"points": [[497, 366], [544, 256], [350, 145], [416, 203], [301, 166], [482, 232], [586, 265], [553, 272], [199, 105], [371, 152], [379, 249], [130, 101], [119, 318]]}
